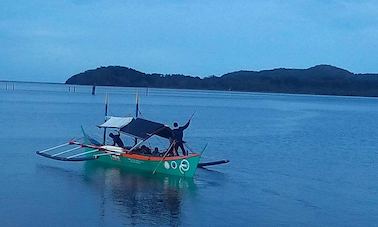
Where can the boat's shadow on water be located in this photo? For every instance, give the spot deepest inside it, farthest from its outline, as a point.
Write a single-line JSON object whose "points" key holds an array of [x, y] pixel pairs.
{"points": [[140, 198]]}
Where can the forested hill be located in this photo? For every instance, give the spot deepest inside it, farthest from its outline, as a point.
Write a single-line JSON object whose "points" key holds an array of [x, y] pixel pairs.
{"points": [[320, 79]]}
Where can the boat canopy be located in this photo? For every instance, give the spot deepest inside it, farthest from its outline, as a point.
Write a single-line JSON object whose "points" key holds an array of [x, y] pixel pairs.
{"points": [[116, 122], [143, 129]]}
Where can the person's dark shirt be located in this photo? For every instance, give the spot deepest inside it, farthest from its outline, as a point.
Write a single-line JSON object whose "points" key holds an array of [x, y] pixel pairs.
{"points": [[178, 133], [117, 141]]}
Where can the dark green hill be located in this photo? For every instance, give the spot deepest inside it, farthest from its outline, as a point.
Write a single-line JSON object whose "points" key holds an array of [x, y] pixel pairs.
{"points": [[320, 79]]}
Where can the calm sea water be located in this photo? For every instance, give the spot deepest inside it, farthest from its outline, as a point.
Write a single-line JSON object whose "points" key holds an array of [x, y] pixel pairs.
{"points": [[296, 160]]}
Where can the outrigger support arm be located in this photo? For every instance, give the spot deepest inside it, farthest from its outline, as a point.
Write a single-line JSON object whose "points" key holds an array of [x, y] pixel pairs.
{"points": [[76, 157], [105, 154], [53, 148], [63, 152], [84, 153]]}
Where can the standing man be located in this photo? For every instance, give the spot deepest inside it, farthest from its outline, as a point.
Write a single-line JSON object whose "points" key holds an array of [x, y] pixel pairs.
{"points": [[177, 134]]}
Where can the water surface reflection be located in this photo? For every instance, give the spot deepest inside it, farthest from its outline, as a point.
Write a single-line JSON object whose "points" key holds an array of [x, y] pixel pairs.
{"points": [[140, 198]]}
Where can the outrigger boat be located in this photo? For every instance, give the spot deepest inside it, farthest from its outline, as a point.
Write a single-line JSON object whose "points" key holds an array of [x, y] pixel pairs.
{"points": [[130, 157]]}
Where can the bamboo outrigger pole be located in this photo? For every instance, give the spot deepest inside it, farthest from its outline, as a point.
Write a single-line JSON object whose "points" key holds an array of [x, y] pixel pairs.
{"points": [[203, 164]]}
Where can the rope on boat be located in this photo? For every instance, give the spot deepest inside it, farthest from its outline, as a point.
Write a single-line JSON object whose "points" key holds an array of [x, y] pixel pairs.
{"points": [[204, 148], [191, 150], [165, 155]]}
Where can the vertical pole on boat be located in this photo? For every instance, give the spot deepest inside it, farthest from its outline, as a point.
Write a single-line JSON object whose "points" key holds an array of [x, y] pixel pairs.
{"points": [[106, 114], [136, 113]]}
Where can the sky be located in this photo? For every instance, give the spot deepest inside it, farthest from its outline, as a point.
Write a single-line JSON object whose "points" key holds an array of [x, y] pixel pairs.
{"points": [[49, 41]]}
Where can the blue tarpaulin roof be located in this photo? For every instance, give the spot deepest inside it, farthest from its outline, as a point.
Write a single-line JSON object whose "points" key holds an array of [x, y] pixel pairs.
{"points": [[142, 128], [116, 122]]}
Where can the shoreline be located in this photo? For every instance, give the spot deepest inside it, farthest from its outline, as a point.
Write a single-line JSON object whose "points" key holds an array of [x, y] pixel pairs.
{"points": [[190, 89]]}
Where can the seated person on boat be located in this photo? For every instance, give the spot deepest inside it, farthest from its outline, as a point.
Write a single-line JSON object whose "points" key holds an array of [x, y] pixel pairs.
{"points": [[116, 140], [156, 152], [145, 150]]}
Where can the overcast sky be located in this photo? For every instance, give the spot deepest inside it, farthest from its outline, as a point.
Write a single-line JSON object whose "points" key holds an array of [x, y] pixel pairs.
{"points": [[50, 40]]}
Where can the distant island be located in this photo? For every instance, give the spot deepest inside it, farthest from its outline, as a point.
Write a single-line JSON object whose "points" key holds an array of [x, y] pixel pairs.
{"points": [[320, 79]]}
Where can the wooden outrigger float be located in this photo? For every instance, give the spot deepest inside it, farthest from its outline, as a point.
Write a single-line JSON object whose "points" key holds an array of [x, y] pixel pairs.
{"points": [[131, 157]]}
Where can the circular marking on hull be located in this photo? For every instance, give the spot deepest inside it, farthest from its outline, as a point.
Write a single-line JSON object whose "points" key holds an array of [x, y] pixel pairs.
{"points": [[173, 165], [166, 165], [184, 166]]}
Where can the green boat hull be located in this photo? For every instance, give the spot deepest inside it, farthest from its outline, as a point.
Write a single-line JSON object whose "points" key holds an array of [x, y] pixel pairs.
{"points": [[185, 166], [181, 166]]}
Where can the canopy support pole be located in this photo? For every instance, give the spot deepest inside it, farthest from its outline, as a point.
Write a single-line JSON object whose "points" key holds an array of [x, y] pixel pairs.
{"points": [[136, 114], [106, 113]]}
